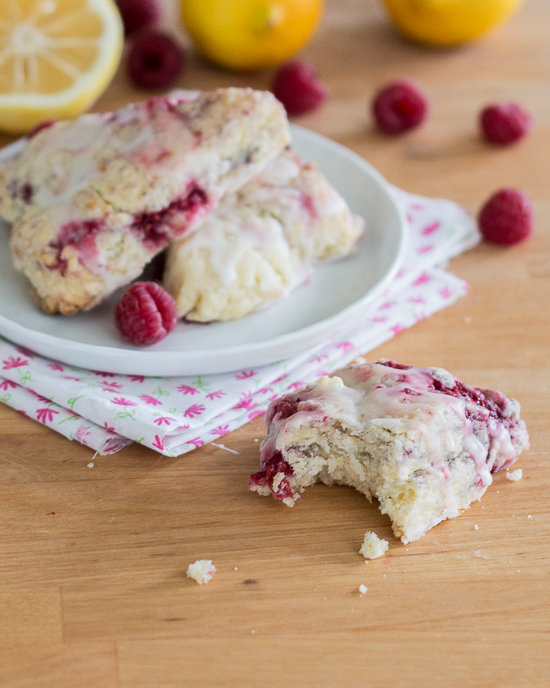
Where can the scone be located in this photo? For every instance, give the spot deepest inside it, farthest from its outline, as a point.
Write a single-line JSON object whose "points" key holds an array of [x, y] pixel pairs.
{"points": [[419, 440], [260, 243], [94, 199]]}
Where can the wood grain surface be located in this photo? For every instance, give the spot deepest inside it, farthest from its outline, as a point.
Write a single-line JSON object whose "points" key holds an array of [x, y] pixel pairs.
{"points": [[93, 590]]}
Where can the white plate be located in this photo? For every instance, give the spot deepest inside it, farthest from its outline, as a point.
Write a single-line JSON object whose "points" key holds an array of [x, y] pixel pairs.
{"points": [[333, 299]]}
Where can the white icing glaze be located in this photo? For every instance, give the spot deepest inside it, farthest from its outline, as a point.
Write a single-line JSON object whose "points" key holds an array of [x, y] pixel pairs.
{"points": [[403, 400], [330, 383], [228, 233]]}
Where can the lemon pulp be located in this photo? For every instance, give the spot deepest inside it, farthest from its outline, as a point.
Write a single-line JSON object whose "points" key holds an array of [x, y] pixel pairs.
{"points": [[56, 58]]}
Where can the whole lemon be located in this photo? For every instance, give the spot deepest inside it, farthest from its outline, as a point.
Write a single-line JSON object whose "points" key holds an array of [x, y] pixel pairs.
{"points": [[250, 34], [448, 22]]}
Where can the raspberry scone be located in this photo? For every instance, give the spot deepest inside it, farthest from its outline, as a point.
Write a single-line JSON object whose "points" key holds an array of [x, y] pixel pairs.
{"points": [[419, 440], [260, 243], [94, 199]]}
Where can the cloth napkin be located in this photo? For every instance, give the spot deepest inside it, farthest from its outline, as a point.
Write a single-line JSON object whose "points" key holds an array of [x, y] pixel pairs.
{"points": [[173, 415]]}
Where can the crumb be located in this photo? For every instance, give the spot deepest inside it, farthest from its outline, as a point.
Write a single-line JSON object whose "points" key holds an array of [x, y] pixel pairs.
{"points": [[373, 546], [476, 527], [236, 568], [256, 440], [362, 589], [468, 320], [515, 475], [90, 465], [202, 571], [529, 516]]}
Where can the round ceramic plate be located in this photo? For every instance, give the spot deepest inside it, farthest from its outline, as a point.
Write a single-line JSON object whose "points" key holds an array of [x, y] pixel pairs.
{"points": [[336, 295]]}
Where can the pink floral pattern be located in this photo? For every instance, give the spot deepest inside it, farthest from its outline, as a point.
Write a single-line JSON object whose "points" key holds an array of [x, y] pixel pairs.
{"points": [[13, 362], [194, 410], [107, 411], [148, 399], [45, 415], [187, 389]]}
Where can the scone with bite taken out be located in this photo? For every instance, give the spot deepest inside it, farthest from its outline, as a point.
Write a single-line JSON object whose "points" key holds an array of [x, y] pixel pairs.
{"points": [[420, 441]]}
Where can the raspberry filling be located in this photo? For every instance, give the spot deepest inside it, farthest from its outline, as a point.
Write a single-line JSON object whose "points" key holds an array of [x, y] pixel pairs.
{"points": [[20, 191], [27, 192], [393, 364], [274, 465], [79, 234], [282, 408], [153, 229], [476, 396], [43, 125]]}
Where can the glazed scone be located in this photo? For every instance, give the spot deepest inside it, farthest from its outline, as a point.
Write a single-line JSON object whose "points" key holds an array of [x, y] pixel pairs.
{"points": [[94, 199], [260, 243], [419, 440]]}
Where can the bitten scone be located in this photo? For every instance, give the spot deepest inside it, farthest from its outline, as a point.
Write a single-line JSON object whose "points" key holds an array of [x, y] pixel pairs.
{"points": [[260, 243], [419, 440], [94, 199]]}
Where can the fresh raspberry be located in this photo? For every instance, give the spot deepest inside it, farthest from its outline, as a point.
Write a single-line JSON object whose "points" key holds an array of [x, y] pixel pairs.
{"points": [[138, 15], [505, 123], [399, 106], [507, 217], [145, 313], [155, 60], [297, 87]]}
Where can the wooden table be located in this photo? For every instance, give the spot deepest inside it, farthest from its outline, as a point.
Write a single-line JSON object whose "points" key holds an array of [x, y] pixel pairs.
{"points": [[93, 590]]}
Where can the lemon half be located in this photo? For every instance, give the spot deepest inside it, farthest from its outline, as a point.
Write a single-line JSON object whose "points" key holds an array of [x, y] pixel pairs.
{"points": [[56, 58]]}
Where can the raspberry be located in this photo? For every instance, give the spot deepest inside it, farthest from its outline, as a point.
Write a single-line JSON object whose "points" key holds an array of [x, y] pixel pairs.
{"points": [[137, 14], [399, 106], [505, 123], [145, 313], [297, 87], [507, 217], [155, 60]]}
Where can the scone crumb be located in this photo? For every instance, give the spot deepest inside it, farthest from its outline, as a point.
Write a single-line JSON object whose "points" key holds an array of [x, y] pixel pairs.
{"points": [[476, 527], [362, 589], [373, 546], [202, 571], [515, 475]]}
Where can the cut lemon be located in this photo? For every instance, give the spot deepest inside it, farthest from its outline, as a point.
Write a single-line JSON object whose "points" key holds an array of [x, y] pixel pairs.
{"points": [[56, 58]]}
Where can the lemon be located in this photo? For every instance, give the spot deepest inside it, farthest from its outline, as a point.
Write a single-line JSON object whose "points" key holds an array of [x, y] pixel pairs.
{"points": [[448, 22], [250, 34], [56, 58]]}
